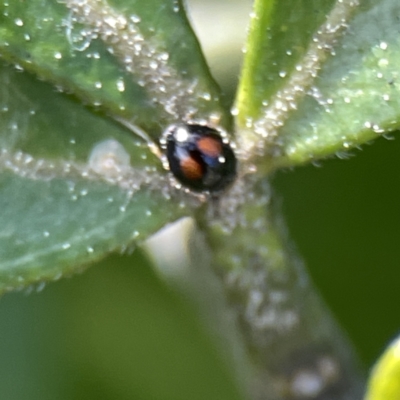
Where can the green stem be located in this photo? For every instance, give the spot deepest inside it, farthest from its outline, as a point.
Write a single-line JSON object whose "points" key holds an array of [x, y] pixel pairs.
{"points": [[298, 350]]}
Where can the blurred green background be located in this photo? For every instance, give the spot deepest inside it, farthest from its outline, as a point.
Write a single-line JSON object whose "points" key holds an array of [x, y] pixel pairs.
{"points": [[113, 332], [345, 220], [116, 331]]}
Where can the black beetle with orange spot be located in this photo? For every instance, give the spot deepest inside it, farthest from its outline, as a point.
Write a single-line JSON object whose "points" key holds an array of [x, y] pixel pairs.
{"points": [[199, 158]]}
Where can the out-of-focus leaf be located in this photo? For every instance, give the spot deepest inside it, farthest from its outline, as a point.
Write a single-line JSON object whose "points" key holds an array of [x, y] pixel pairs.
{"points": [[336, 81], [114, 332], [384, 382]]}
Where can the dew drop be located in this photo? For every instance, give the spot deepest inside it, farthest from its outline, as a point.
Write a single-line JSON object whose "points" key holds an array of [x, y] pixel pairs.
{"points": [[235, 111], [206, 96], [163, 56], [383, 45], [19, 22], [111, 21], [120, 85], [57, 55], [137, 47], [135, 19], [377, 128], [383, 62], [307, 384], [98, 85], [66, 246]]}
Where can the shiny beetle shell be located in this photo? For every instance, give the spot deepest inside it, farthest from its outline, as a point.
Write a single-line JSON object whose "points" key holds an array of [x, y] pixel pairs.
{"points": [[199, 158]]}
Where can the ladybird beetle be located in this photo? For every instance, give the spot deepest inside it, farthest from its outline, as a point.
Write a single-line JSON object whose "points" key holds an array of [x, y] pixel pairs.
{"points": [[199, 158]]}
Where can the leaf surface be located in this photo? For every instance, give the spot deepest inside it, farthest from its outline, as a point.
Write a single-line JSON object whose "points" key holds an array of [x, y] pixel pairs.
{"points": [[74, 186], [135, 60], [75, 182], [335, 82]]}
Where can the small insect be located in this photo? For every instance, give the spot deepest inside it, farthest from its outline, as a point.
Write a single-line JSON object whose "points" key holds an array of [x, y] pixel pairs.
{"points": [[199, 158]]}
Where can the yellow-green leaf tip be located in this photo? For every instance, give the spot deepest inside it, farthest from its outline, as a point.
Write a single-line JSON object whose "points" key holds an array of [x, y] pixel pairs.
{"points": [[384, 383]]}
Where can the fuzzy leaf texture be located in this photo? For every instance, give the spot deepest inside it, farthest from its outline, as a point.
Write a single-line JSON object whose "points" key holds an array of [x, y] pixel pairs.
{"points": [[75, 184], [319, 78]]}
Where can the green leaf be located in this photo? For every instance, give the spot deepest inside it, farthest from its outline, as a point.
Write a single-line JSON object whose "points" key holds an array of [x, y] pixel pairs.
{"points": [[62, 206], [37, 120], [384, 383], [279, 37], [50, 228], [336, 93], [137, 60], [74, 184]]}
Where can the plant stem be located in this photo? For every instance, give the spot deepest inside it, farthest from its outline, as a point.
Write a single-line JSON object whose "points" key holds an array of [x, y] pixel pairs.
{"points": [[297, 349]]}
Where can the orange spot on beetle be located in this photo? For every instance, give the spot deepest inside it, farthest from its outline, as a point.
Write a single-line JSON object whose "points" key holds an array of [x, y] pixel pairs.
{"points": [[210, 146], [191, 168]]}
